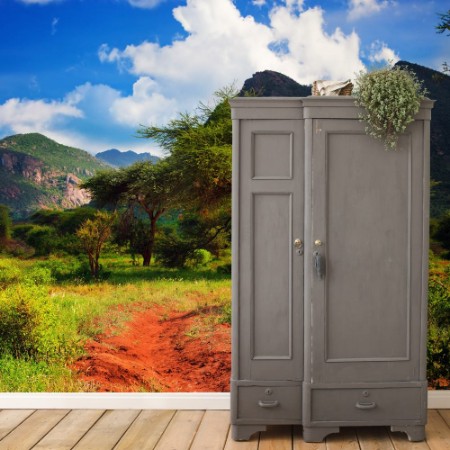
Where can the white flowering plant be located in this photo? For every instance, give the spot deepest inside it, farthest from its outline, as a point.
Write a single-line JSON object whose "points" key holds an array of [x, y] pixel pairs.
{"points": [[390, 98]]}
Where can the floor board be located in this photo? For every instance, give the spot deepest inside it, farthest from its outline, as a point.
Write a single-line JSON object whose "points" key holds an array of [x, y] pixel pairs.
{"points": [[189, 430]]}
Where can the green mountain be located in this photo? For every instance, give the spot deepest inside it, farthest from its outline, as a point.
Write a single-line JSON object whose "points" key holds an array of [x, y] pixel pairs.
{"points": [[37, 172], [273, 84]]}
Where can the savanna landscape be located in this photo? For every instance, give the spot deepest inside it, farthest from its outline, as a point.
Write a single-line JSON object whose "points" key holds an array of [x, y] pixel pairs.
{"points": [[131, 290]]}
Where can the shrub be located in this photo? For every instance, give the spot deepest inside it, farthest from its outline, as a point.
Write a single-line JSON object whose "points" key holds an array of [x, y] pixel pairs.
{"points": [[224, 269], [9, 273], [171, 250], [5, 223], [42, 238], [438, 366], [199, 258], [20, 231], [24, 321]]}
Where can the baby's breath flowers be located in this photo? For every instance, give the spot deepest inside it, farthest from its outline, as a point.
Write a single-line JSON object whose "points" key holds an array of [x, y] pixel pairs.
{"points": [[391, 98]]}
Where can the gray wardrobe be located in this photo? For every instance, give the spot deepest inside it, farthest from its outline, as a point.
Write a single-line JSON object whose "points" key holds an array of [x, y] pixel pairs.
{"points": [[330, 251]]}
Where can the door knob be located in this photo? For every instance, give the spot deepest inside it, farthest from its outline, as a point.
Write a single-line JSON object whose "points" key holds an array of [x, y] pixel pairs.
{"points": [[298, 244], [318, 243]]}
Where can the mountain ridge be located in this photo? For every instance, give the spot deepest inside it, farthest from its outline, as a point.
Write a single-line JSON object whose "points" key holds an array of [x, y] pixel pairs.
{"points": [[118, 158]]}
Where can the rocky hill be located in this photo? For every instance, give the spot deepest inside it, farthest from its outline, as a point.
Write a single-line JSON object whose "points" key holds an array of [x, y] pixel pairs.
{"points": [[274, 84], [117, 158], [438, 87], [37, 172]]}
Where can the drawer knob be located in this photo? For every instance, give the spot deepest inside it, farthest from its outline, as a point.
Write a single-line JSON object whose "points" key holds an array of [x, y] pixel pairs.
{"points": [[268, 404], [366, 405]]}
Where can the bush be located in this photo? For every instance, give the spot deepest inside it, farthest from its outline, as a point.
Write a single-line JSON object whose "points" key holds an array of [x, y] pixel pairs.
{"points": [[170, 249], [20, 231], [5, 223], [42, 238], [9, 273], [224, 269], [199, 258], [26, 323], [438, 366]]}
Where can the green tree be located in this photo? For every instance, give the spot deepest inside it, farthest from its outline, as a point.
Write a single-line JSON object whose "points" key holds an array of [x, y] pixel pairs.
{"points": [[153, 188], [442, 27], [5, 223], [444, 24], [199, 154], [199, 148], [93, 234]]}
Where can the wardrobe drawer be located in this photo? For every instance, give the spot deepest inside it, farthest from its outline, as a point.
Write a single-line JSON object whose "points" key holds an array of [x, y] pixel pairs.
{"points": [[380, 405], [270, 403]]}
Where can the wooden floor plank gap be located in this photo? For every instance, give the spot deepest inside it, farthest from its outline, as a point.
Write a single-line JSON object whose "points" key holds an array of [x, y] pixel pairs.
{"points": [[126, 430], [22, 417], [49, 430], [165, 429], [89, 429]]}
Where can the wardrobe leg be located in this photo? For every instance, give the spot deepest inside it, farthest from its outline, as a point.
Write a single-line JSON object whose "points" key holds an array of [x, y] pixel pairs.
{"points": [[244, 432], [415, 433], [318, 434]]}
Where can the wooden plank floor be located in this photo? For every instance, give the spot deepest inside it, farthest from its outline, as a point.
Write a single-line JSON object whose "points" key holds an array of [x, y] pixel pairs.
{"points": [[183, 430]]}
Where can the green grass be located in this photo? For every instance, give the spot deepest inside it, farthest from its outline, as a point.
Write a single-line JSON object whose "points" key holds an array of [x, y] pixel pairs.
{"points": [[87, 309]]}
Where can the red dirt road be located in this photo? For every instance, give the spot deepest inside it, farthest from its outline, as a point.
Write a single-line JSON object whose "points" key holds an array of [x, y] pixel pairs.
{"points": [[157, 352]]}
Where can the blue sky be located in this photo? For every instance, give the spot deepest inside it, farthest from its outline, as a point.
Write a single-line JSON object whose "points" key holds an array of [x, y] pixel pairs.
{"points": [[87, 73]]}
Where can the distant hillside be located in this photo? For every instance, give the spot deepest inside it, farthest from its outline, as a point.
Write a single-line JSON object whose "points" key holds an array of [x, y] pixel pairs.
{"points": [[37, 172], [274, 84], [438, 86], [122, 159]]}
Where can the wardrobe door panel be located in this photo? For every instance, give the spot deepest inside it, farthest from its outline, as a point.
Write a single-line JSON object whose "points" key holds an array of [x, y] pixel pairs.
{"points": [[270, 265], [367, 213]]}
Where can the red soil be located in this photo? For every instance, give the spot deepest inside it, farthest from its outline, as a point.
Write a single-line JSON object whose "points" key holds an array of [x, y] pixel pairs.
{"points": [[154, 353]]}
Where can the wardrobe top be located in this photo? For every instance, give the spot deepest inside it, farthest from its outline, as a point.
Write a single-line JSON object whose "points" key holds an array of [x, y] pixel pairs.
{"points": [[313, 107]]}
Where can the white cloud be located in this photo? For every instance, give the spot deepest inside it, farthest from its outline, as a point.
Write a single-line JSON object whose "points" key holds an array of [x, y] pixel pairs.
{"points": [[38, 2], [146, 106], [294, 5], [146, 4], [381, 53], [25, 116], [54, 23], [93, 99], [362, 8], [223, 46], [259, 2]]}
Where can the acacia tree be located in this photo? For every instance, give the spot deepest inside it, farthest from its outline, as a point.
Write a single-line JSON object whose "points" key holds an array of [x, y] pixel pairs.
{"points": [[93, 233], [199, 149], [199, 154], [152, 188]]}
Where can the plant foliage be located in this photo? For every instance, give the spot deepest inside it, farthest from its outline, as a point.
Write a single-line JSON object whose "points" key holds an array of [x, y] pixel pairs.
{"points": [[391, 98], [438, 367]]}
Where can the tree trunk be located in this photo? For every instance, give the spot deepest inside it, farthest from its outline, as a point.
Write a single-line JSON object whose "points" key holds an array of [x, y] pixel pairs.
{"points": [[147, 255], [148, 251]]}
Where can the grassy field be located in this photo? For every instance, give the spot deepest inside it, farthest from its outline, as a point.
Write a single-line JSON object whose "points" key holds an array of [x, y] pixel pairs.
{"points": [[46, 322], [49, 310]]}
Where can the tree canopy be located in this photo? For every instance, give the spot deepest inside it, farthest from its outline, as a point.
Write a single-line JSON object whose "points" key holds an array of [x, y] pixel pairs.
{"points": [[199, 151]]}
